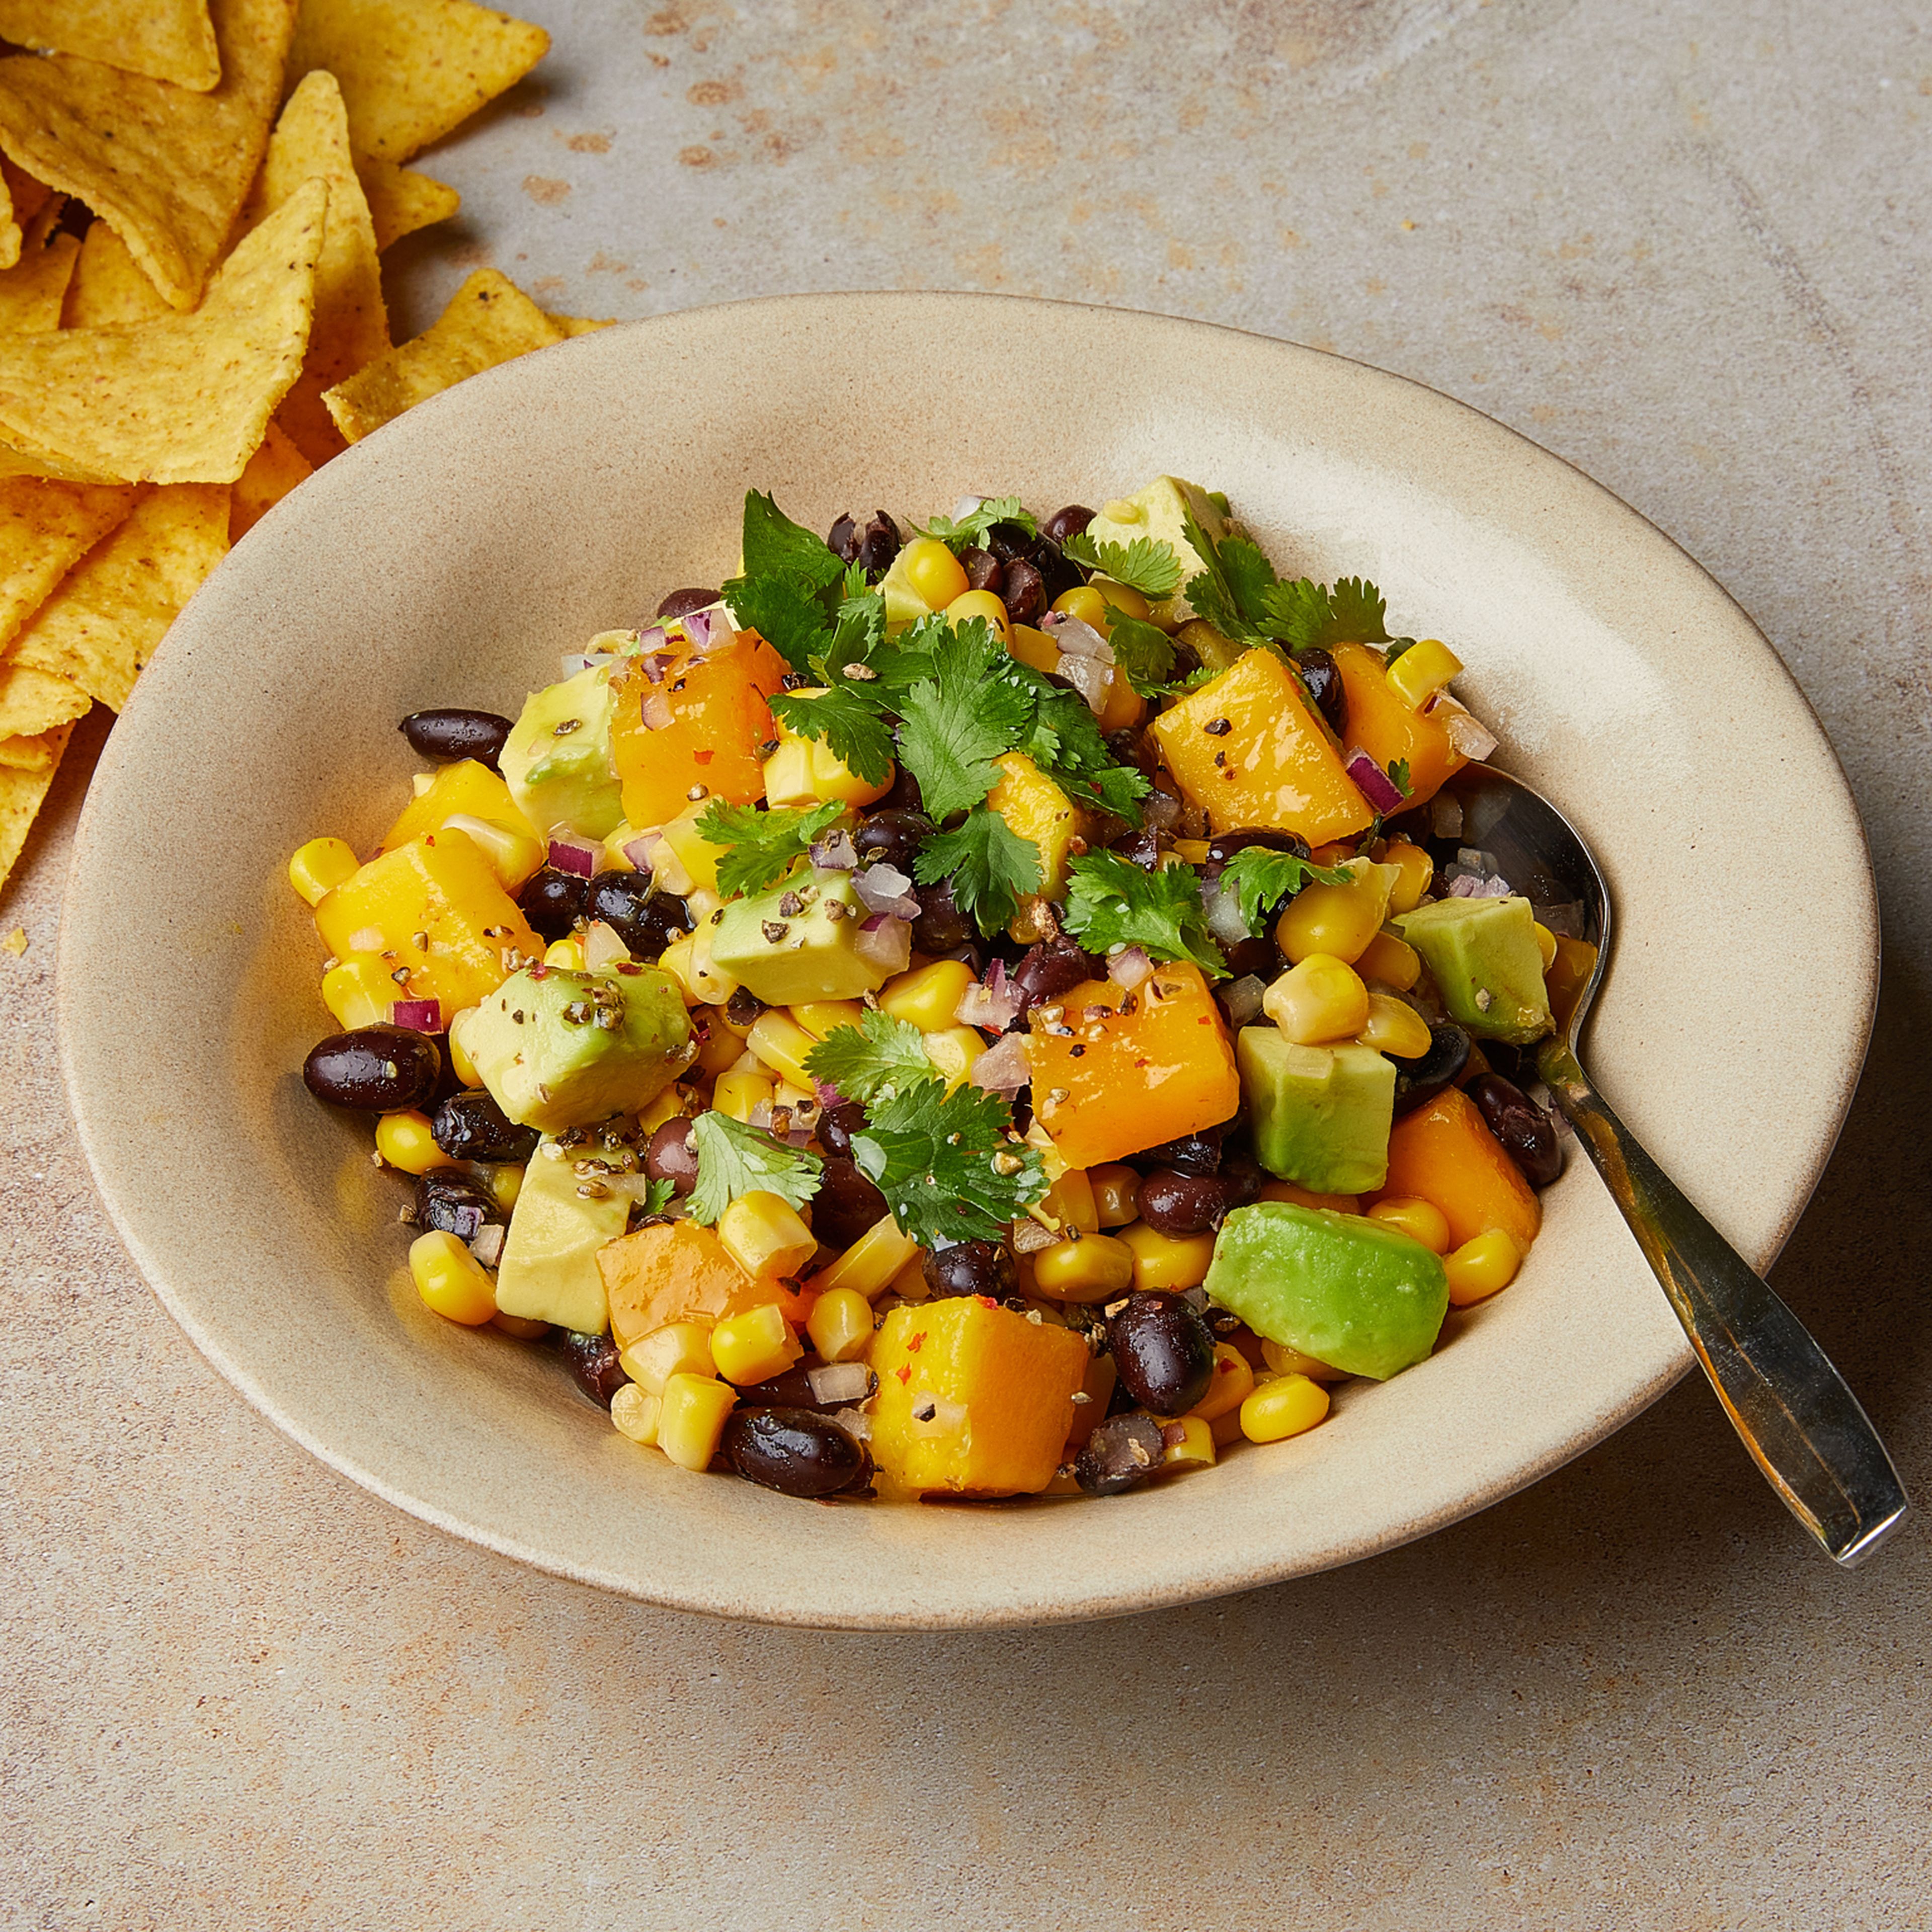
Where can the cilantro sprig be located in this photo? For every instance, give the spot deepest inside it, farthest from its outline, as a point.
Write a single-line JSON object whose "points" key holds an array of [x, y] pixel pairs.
{"points": [[1239, 592], [955, 720], [1111, 902], [775, 546], [1147, 565], [990, 866], [879, 1057], [957, 533], [734, 1159], [945, 1164], [1260, 880], [1143, 653], [761, 847]]}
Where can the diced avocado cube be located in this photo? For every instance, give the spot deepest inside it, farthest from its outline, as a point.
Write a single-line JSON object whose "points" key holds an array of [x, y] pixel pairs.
{"points": [[1321, 1114], [1483, 955], [798, 941], [904, 604], [559, 1049], [1162, 507], [557, 761], [1352, 1292], [548, 1270]]}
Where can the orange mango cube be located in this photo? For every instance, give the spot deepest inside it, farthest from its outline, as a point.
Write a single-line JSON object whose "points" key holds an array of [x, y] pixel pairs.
{"points": [[675, 1271], [1115, 1071], [468, 787], [1444, 1154], [1381, 723]]}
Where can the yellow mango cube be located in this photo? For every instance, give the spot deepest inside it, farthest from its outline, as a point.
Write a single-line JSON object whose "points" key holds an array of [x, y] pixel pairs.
{"points": [[467, 786], [1037, 809], [684, 861]]}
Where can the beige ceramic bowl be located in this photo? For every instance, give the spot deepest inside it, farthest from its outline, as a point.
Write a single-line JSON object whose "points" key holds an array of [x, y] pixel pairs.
{"points": [[450, 559]]}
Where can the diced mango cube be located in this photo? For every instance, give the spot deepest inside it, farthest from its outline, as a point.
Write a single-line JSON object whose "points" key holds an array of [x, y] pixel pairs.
{"points": [[1383, 723], [1444, 1154], [1037, 809], [807, 771], [675, 1271], [468, 787]]}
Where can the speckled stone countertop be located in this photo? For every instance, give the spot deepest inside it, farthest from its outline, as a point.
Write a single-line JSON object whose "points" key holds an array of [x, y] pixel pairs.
{"points": [[1685, 246]]}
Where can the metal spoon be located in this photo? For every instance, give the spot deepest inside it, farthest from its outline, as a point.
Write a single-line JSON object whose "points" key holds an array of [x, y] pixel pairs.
{"points": [[1803, 1426]]}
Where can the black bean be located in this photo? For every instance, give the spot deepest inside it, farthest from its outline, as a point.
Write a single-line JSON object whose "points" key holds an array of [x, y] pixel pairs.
{"points": [[971, 1268], [1525, 1129], [592, 1360], [1140, 848], [470, 1125], [1120, 1455], [795, 1451], [447, 735], [682, 603], [379, 1069], [1162, 1349], [1068, 522], [553, 901], [1323, 678], [891, 838], [672, 1156], [1023, 591], [1131, 744], [1256, 957], [645, 919], [903, 796], [983, 569], [1222, 848], [940, 927], [1052, 968], [1418, 1081], [1008, 542], [837, 1125], [847, 1204], [1192, 1153], [1176, 1205], [872, 546], [793, 1390], [451, 1202]]}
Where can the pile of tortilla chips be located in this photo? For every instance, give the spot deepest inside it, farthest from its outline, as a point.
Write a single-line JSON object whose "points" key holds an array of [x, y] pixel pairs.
{"points": [[194, 195]]}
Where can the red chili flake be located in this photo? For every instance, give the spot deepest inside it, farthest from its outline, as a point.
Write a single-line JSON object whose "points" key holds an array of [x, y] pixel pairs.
{"points": [[905, 1374], [701, 757], [917, 1342], [986, 1301]]}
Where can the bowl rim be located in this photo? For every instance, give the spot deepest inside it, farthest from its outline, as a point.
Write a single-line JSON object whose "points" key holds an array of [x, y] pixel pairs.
{"points": [[1862, 946]]}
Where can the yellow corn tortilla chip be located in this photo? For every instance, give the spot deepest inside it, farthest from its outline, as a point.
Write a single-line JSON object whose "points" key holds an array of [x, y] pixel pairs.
{"points": [[412, 69], [400, 200], [167, 40], [578, 324], [489, 320], [310, 142], [165, 167], [109, 290], [184, 398], [22, 793], [45, 529], [102, 624], [33, 700], [32, 754], [32, 291], [273, 471]]}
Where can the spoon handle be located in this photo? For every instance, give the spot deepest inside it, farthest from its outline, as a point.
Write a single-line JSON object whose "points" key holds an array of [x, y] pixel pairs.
{"points": [[1803, 1427]]}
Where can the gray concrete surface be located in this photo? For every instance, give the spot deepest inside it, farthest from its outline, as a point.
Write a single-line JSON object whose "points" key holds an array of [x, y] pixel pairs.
{"points": [[1683, 246]]}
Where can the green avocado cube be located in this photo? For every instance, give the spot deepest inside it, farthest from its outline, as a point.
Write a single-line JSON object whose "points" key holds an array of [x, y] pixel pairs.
{"points": [[1321, 1114], [1160, 511], [557, 762], [1350, 1292], [559, 1049], [1487, 965], [548, 1270], [798, 942]]}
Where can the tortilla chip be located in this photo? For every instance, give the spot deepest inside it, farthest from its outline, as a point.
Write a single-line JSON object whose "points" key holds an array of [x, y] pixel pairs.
{"points": [[489, 320], [400, 200], [45, 529], [578, 324], [184, 398], [165, 167], [21, 794], [167, 40], [412, 69], [33, 700], [310, 142], [33, 290], [102, 624], [273, 471], [109, 290], [32, 754]]}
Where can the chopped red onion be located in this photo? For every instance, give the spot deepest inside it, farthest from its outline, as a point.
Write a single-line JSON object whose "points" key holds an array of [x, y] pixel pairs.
{"points": [[601, 946], [639, 850], [418, 1015], [1076, 637], [982, 1004], [654, 639], [835, 852], [828, 1096], [1223, 909], [1471, 886], [708, 630], [574, 855], [965, 507], [761, 1116], [1003, 1069], [885, 943], [1242, 1000], [1373, 783], [1161, 810], [656, 663], [487, 1246], [840, 1381], [855, 1422], [1092, 677], [1468, 733], [885, 888], [1445, 815], [1130, 966]]}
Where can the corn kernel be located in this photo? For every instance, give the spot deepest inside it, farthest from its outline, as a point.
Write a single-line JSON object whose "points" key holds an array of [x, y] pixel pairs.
{"points": [[359, 991], [1116, 1194], [1120, 597], [515, 857], [1096, 1268], [1070, 1201], [1320, 1000], [929, 997], [782, 1043], [320, 866], [1282, 1408], [720, 1049], [1283, 1360], [461, 1063], [681, 1349], [868, 1265], [821, 1017], [1298, 1196], [1167, 1263], [1086, 603], [567, 953], [688, 961], [1420, 1220], [984, 604], [1188, 1443], [932, 572], [1416, 868], [1194, 851], [952, 1050], [840, 1325], [406, 1141], [1395, 1028], [764, 1233], [1546, 943], [755, 1346], [695, 857], [1034, 648], [523, 1329], [634, 1412], [690, 1418], [1340, 920], [1479, 1268], [450, 1280], [737, 1094], [1392, 962], [910, 1284], [1422, 671], [505, 1183], [1234, 1382]]}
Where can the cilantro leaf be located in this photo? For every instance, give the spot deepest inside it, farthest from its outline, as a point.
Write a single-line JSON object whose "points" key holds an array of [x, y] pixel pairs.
{"points": [[1399, 776], [1065, 743], [1307, 615], [971, 527], [782, 612], [1260, 880], [990, 866], [761, 847], [1143, 652], [734, 1159], [775, 546], [878, 1058], [848, 722], [656, 1197], [1147, 565], [1234, 579], [957, 719], [1359, 609], [945, 1166], [1112, 902]]}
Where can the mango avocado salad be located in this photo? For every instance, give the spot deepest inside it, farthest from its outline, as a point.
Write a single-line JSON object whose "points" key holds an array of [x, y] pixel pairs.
{"points": [[997, 1007]]}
